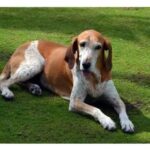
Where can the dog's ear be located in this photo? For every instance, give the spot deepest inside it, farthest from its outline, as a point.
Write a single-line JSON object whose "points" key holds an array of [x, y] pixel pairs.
{"points": [[107, 47], [70, 54]]}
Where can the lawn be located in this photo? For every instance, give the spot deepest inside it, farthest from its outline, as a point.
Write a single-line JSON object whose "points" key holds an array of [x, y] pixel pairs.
{"points": [[45, 119]]}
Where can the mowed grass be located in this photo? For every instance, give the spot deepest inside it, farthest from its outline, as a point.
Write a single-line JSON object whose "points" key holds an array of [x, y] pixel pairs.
{"points": [[45, 119]]}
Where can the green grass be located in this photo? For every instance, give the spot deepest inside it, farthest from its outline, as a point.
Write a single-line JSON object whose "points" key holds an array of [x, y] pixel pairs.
{"points": [[45, 119]]}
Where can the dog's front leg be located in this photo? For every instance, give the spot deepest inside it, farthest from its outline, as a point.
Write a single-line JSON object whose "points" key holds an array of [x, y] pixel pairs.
{"points": [[81, 107], [77, 104], [114, 98]]}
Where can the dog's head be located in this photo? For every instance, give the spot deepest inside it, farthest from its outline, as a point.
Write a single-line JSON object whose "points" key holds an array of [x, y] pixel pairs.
{"points": [[88, 51]]}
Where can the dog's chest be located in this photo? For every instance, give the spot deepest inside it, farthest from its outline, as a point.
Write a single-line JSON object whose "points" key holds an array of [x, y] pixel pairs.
{"points": [[95, 90]]}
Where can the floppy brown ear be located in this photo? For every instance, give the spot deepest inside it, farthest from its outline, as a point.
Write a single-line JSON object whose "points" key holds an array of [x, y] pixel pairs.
{"points": [[108, 60], [70, 54]]}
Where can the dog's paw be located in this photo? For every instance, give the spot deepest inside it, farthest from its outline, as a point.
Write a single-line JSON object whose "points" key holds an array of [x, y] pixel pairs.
{"points": [[127, 126], [108, 123], [35, 89], [7, 94]]}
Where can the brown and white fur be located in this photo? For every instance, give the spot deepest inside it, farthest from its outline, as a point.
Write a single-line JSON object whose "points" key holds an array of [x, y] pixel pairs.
{"points": [[72, 72]]}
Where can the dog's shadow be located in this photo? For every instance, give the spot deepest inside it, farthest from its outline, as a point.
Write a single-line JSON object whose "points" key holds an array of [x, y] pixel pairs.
{"points": [[141, 122]]}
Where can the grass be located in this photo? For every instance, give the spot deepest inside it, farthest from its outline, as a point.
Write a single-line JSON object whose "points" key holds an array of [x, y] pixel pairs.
{"points": [[45, 119]]}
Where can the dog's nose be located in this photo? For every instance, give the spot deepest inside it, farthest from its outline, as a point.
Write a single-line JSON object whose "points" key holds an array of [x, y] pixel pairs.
{"points": [[86, 66]]}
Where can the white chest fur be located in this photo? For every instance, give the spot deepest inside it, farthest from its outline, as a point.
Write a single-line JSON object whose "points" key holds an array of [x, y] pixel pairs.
{"points": [[83, 86], [95, 91]]}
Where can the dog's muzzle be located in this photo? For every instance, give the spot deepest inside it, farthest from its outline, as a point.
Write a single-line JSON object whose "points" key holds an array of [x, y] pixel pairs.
{"points": [[86, 66], [86, 69]]}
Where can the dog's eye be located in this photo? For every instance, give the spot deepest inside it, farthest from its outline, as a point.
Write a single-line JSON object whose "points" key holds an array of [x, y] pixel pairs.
{"points": [[97, 47], [82, 44]]}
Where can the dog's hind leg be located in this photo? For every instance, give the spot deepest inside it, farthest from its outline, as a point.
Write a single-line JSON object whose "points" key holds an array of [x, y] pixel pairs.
{"points": [[4, 78], [33, 88], [4, 87], [23, 74], [31, 65]]}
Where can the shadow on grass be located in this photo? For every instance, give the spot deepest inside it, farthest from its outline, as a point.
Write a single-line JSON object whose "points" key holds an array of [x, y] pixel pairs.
{"points": [[73, 21], [139, 78], [140, 121]]}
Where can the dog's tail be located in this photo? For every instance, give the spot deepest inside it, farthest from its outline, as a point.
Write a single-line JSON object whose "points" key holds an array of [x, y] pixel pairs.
{"points": [[5, 74]]}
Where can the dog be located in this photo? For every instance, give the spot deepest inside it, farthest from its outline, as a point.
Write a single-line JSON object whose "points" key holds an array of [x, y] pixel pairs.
{"points": [[72, 72]]}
